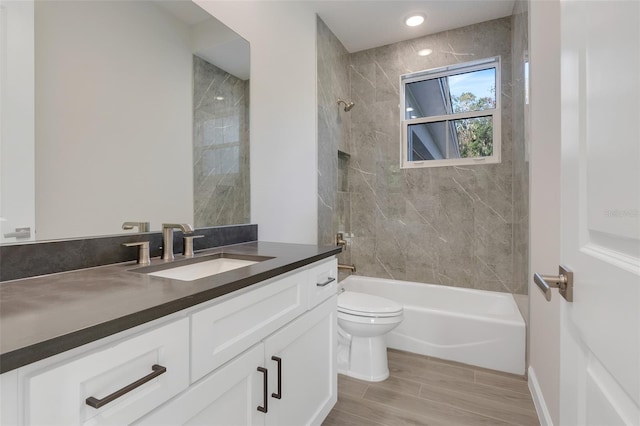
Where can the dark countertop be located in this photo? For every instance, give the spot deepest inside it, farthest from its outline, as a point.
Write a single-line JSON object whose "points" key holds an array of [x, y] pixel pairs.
{"points": [[47, 315]]}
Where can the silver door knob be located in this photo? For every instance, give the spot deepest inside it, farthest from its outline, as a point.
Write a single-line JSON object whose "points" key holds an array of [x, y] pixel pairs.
{"points": [[563, 281]]}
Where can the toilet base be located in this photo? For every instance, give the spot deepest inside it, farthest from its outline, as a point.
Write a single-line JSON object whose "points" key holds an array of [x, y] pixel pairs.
{"points": [[367, 359], [365, 378]]}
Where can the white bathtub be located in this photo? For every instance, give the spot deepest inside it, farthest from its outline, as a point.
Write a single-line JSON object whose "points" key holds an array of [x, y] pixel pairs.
{"points": [[476, 327]]}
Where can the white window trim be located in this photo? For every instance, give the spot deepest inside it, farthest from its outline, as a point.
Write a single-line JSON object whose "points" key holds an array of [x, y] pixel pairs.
{"points": [[496, 114]]}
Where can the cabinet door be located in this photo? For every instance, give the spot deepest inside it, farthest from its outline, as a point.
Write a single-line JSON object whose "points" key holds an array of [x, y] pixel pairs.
{"points": [[229, 396], [307, 350], [9, 398]]}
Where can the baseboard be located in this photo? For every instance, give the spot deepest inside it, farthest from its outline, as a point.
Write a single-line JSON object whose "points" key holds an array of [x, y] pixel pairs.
{"points": [[538, 399]]}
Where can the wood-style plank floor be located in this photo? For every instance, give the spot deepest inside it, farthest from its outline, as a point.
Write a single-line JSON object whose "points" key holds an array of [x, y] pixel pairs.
{"points": [[427, 391]]}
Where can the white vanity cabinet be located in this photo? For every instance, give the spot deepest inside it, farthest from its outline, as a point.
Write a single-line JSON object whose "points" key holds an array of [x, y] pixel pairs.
{"points": [[221, 360], [288, 378], [248, 389]]}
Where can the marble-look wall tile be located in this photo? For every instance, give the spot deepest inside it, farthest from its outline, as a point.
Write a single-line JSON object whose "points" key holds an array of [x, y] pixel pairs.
{"points": [[453, 226], [334, 125], [520, 47], [221, 146]]}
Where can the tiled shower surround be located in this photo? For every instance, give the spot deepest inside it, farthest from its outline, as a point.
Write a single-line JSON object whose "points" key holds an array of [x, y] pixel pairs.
{"points": [[220, 146], [334, 125], [453, 226]]}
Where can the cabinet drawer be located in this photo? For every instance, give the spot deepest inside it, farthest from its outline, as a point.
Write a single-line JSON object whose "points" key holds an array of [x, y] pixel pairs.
{"points": [[220, 332], [58, 395], [320, 285]]}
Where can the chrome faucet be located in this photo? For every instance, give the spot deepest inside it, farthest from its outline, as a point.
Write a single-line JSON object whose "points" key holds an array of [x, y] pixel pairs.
{"points": [[167, 237]]}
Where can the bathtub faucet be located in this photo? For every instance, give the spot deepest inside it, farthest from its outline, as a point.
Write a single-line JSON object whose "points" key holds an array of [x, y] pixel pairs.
{"points": [[351, 268]]}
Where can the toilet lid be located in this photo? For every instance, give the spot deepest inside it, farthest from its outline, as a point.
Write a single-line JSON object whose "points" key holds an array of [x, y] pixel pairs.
{"points": [[362, 304]]}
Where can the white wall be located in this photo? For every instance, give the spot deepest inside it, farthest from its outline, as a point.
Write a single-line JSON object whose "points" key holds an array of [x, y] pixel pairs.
{"points": [[91, 174], [283, 114], [544, 202]]}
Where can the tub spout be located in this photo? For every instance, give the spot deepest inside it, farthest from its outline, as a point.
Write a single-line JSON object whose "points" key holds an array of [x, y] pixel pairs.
{"points": [[351, 268]]}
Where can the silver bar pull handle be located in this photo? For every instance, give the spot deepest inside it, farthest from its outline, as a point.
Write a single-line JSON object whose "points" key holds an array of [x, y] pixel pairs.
{"points": [[562, 281], [20, 233], [327, 282]]}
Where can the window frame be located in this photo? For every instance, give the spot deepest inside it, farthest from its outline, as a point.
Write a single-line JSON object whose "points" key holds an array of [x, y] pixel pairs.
{"points": [[434, 73]]}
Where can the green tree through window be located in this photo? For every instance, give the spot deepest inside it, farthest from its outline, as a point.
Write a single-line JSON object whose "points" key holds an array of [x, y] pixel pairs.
{"points": [[475, 135]]}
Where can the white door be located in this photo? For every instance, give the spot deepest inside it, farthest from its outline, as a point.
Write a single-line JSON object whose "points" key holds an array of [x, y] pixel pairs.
{"points": [[17, 120], [600, 212], [305, 390]]}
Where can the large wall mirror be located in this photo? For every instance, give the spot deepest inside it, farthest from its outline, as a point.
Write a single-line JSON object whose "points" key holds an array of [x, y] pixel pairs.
{"points": [[120, 111]]}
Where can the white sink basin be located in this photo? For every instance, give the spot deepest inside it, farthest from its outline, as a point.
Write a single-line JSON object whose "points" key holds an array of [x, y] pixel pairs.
{"points": [[199, 270]]}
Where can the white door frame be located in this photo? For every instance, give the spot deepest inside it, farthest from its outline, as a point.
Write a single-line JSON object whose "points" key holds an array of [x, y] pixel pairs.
{"points": [[544, 196], [17, 119]]}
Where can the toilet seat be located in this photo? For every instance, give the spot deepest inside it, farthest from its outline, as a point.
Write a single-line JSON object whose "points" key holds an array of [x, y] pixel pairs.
{"points": [[367, 305]]}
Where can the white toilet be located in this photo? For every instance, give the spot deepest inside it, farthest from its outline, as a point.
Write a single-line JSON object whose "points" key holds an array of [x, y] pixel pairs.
{"points": [[363, 320]]}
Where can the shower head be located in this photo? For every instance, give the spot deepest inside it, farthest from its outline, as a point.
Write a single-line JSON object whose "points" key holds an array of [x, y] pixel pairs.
{"points": [[347, 105]]}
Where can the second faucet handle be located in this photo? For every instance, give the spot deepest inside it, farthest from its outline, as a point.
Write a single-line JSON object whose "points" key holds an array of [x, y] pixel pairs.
{"points": [[187, 247]]}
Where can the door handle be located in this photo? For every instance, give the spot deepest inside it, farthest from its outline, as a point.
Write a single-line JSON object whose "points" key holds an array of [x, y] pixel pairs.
{"points": [[278, 395], [263, 408], [20, 233], [563, 281]]}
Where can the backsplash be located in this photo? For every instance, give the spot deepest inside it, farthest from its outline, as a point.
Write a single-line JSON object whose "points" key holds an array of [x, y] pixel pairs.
{"points": [[49, 257]]}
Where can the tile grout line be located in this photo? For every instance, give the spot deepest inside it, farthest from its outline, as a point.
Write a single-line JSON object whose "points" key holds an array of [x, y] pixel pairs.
{"points": [[455, 407], [524, 411], [484, 399], [363, 418]]}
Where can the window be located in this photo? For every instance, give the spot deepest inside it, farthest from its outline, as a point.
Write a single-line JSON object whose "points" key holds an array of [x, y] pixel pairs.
{"points": [[451, 115]]}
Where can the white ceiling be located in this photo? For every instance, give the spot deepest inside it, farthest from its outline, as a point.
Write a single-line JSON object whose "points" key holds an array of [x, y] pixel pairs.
{"points": [[359, 24], [365, 24]]}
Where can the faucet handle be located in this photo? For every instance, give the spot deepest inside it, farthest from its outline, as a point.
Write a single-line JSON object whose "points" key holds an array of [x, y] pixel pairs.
{"points": [[143, 251], [142, 226], [187, 247]]}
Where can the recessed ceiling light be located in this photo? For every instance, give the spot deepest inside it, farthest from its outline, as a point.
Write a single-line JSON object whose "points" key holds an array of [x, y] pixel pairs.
{"points": [[413, 116], [414, 21], [409, 109], [219, 98], [425, 52]]}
